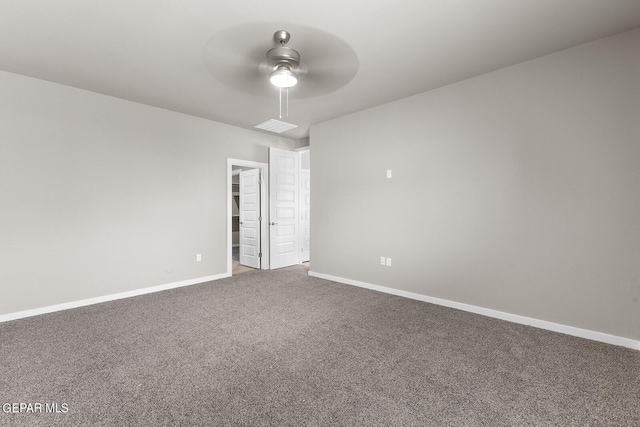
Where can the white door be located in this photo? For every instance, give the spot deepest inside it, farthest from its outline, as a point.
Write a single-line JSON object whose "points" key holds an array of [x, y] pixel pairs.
{"points": [[283, 207], [305, 214], [250, 218]]}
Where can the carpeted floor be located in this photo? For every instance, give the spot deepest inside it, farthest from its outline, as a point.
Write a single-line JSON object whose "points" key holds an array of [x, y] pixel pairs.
{"points": [[282, 348]]}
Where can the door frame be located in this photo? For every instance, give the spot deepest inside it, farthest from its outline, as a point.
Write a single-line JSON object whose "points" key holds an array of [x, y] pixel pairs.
{"points": [[264, 210]]}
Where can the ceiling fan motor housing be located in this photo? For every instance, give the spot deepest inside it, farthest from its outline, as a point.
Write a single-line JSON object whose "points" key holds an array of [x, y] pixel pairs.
{"points": [[283, 55]]}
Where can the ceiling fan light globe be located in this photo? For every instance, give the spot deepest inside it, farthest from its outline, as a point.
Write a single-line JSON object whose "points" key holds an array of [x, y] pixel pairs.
{"points": [[283, 78]]}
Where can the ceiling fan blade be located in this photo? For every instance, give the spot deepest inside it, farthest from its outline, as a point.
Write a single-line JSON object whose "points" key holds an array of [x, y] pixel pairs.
{"points": [[234, 57]]}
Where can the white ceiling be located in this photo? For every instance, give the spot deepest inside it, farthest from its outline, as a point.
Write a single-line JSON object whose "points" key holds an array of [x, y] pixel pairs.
{"points": [[158, 52]]}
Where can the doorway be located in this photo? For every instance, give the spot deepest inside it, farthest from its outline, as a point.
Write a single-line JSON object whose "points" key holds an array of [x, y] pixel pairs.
{"points": [[249, 240], [283, 222]]}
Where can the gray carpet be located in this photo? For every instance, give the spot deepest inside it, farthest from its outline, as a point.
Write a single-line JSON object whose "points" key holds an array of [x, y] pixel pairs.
{"points": [[282, 348]]}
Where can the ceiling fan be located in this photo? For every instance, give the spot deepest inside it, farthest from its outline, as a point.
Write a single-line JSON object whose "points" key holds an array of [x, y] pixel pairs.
{"points": [[283, 62], [283, 66], [244, 57]]}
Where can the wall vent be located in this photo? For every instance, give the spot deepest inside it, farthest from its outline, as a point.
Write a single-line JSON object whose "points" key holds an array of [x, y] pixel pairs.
{"points": [[275, 126]]}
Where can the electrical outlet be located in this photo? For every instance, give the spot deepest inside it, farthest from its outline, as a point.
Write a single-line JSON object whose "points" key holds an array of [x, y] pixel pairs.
{"points": [[388, 262], [388, 173], [382, 260], [198, 257]]}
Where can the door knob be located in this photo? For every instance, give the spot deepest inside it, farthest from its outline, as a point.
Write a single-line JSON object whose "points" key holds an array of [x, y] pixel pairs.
{"points": [[241, 222], [274, 223]]}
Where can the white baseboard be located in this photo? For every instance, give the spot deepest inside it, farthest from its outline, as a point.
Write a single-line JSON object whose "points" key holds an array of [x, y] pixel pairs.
{"points": [[542, 324], [105, 298]]}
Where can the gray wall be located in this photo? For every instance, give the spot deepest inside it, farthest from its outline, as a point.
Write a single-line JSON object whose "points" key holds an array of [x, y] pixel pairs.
{"points": [[305, 160], [517, 191], [101, 195]]}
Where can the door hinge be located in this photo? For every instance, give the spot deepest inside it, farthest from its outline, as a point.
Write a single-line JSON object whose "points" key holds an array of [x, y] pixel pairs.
{"points": [[259, 254], [260, 218]]}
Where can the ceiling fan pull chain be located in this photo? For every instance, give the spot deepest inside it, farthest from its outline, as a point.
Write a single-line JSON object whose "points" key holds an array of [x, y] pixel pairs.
{"points": [[287, 102], [280, 102]]}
